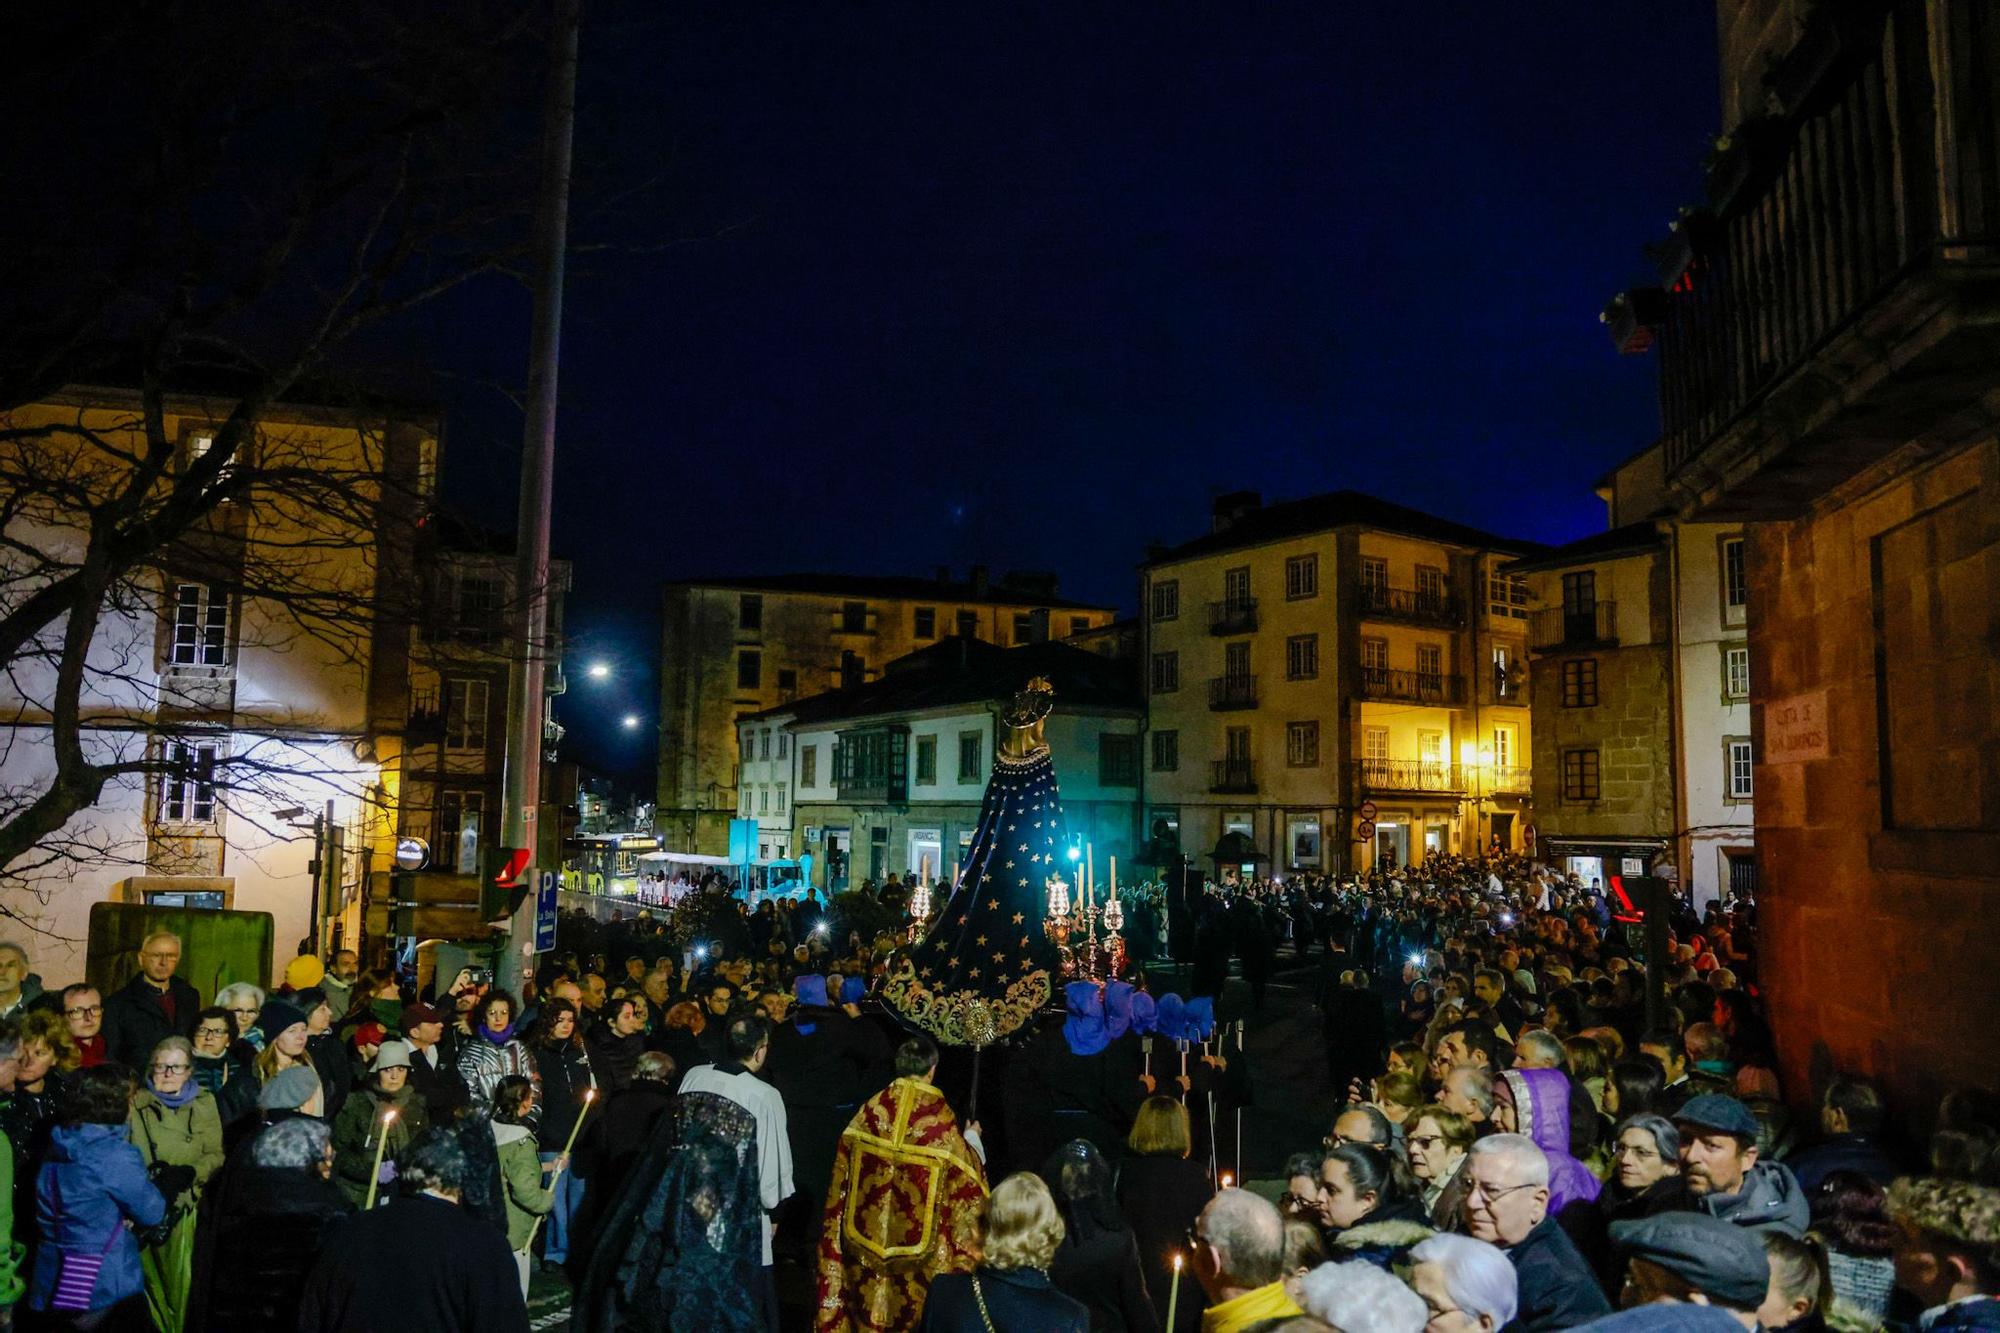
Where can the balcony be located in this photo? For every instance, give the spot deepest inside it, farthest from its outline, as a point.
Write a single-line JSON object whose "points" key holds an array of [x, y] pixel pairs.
{"points": [[1836, 296], [1231, 692], [852, 620], [1407, 775], [1413, 606], [1237, 615], [426, 718], [1503, 779], [1421, 687], [1233, 777], [1558, 628], [1509, 686]]}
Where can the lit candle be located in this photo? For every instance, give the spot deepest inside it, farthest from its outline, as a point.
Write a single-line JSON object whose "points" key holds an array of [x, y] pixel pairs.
{"points": [[1174, 1295], [1089, 878], [1228, 1180], [555, 1177], [381, 1142], [1114, 879]]}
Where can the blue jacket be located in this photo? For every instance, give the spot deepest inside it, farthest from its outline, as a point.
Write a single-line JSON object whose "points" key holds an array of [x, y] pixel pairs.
{"points": [[101, 1181]]}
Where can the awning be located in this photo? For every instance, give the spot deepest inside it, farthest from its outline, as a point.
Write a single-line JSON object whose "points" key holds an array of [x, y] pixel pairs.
{"points": [[687, 858]]}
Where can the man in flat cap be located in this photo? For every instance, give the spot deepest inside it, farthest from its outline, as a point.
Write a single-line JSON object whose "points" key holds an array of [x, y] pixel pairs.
{"points": [[1948, 1251], [1688, 1273], [1719, 1166]]}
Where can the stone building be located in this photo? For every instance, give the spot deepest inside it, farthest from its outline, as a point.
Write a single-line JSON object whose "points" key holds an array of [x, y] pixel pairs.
{"points": [[1332, 683], [887, 778], [1828, 330], [733, 647]]}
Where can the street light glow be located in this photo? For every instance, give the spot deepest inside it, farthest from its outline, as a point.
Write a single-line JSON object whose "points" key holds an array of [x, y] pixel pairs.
{"points": [[600, 670], [631, 722]]}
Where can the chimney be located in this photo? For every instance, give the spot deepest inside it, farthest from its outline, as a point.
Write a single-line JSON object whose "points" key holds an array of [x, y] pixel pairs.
{"points": [[1227, 510], [979, 580]]}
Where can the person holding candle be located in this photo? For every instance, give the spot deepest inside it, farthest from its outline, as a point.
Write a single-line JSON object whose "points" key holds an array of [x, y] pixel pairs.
{"points": [[529, 1198], [1161, 1189], [362, 1135], [566, 1082]]}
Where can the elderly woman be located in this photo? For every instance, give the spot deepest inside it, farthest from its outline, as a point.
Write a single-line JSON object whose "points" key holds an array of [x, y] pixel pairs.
{"points": [[494, 1050], [259, 1249], [1438, 1142], [1010, 1289], [1358, 1297], [90, 1196], [176, 1128], [1645, 1179], [244, 1002], [1467, 1286]]}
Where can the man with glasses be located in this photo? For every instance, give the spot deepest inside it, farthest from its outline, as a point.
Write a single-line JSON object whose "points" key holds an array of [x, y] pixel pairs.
{"points": [[83, 1014], [152, 1006], [1507, 1204]]}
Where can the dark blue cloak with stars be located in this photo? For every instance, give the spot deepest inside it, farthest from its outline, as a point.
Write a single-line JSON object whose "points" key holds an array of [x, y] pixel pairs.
{"points": [[986, 955]]}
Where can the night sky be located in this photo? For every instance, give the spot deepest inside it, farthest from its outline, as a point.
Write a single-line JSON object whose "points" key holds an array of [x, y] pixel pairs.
{"points": [[1026, 285]]}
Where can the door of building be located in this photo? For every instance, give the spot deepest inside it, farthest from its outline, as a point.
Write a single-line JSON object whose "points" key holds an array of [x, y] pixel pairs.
{"points": [[878, 854], [1503, 831], [839, 852], [1392, 844]]}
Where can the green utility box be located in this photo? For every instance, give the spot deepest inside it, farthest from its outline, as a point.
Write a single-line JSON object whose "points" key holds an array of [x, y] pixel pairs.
{"points": [[217, 947]]}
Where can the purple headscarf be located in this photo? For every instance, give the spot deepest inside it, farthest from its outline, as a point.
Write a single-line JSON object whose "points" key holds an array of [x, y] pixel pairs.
{"points": [[1145, 1014], [1541, 1111], [1084, 1028], [1200, 1017], [1117, 1008], [1173, 1017], [852, 990], [810, 989]]}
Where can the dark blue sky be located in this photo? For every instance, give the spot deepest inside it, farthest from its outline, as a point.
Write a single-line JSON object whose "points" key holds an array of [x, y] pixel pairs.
{"points": [[1027, 284]]}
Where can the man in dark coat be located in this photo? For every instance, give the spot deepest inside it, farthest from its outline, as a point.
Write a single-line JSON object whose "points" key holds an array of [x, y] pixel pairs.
{"points": [[1507, 1204], [422, 1262], [1353, 1026], [152, 1006]]}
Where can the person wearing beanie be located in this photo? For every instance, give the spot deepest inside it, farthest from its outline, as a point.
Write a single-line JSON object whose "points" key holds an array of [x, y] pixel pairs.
{"points": [[294, 1091], [1948, 1251], [364, 1119], [282, 1025], [303, 973]]}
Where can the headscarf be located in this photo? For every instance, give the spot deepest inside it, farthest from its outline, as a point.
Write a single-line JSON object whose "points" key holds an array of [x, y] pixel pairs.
{"points": [[1541, 1111], [810, 989], [1118, 996], [852, 990], [1173, 1017], [1200, 1017], [1084, 1028], [1145, 1014]]}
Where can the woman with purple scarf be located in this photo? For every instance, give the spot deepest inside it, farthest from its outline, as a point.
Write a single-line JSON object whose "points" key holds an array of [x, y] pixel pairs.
{"points": [[494, 1051], [1535, 1102]]}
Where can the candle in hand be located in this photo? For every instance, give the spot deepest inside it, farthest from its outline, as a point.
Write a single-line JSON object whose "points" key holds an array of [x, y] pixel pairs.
{"points": [[381, 1142], [1174, 1295]]}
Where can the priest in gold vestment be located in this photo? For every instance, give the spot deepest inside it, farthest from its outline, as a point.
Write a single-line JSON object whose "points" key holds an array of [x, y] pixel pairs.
{"points": [[904, 1205]]}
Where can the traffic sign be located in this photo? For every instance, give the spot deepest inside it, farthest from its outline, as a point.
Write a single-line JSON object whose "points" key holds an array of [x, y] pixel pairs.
{"points": [[545, 913], [1367, 811], [1367, 829]]}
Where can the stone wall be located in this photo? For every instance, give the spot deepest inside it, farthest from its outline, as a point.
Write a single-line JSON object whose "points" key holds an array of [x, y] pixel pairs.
{"points": [[1875, 633], [1632, 729]]}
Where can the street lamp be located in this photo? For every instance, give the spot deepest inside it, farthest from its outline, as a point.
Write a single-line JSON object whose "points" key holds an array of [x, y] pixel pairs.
{"points": [[599, 670], [631, 722]]}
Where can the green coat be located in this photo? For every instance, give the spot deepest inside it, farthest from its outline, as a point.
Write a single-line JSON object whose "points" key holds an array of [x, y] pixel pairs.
{"points": [[188, 1136], [521, 1167], [11, 1285], [354, 1136]]}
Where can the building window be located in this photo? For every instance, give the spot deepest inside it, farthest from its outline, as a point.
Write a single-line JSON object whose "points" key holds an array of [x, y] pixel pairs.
{"points": [[1375, 744], [854, 617], [1302, 744], [971, 747], [1166, 599], [1735, 578], [1079, 624], [1024, 626], [1580, 594], [1736, 673], [1738, 752], [1579, 775], [1117, 760], [461, 823], [1166, 672], [1430, 588], [481, 602], [1507, 595], [1504, 686], [201, 625], [1579, 683], [187, 788], [750, 611], [1503, 747], [1742, 873], [1302, 657], [749, 669], [764, 745], [968, 624], [1430, 668], [465, 715], [1374, 654], [923, 622], [1301, 577], [781, 798], [788, 682], [1374, 579], [809, 766], [926, 761], [784, 744], [1166, 751], [763, 800]]}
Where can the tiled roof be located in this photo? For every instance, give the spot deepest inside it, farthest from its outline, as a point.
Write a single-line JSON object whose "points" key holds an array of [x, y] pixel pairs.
{"points": [[1632, 539], [971, 671], [1337, 509]]}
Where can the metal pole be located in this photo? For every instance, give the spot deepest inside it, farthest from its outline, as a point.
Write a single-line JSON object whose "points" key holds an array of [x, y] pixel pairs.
{"points": [[527, 672]]}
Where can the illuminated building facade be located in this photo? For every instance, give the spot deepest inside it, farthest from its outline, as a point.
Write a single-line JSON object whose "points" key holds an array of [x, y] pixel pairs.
{"points": [[1332, 683]]}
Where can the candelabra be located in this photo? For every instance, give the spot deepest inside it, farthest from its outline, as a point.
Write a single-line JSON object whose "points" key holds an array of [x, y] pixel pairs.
{"points": [[1073, 926], [920, 910]]}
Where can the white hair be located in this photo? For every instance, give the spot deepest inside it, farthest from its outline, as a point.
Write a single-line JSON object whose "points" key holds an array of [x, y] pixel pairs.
{"points": [[1358, 1297], [1477, 1276], [296, 1144], [236, 990], [1530, 1163]]}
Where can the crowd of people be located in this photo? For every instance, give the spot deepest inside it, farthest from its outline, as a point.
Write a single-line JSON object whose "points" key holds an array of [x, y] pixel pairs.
{"points": [[730, 1133]]}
